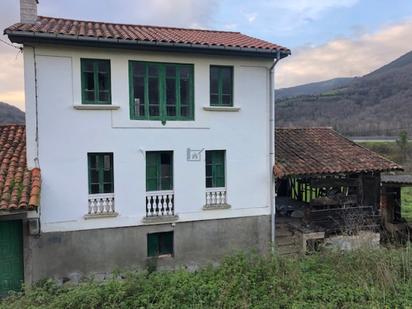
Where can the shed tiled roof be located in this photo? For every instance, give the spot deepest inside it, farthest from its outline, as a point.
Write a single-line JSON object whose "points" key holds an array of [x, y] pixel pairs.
{"points": [[19, 186], [142, 33], [397, 179], [304, 151]]}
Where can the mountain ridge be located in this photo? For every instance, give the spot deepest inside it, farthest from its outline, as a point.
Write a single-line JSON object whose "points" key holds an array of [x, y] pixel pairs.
{"points": [[378, 103]]}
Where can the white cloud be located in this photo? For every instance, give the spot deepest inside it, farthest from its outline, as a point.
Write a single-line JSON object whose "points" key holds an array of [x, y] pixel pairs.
{"points": [[345, 57], [251, 17]]}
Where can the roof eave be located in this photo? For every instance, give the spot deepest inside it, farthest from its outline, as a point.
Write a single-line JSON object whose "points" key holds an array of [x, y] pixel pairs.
{"points": [[283, 175], [25, 37]]}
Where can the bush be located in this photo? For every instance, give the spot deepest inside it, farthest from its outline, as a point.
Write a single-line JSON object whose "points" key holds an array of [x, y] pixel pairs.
{"points": [[362, 279]]}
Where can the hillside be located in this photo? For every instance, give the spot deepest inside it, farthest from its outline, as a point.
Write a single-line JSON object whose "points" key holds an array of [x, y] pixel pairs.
{"points": [[314, 88], [10, 114], [379, 103]]}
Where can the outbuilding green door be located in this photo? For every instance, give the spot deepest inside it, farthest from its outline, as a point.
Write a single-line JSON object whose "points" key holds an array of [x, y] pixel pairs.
{"points": [[11, 256]]}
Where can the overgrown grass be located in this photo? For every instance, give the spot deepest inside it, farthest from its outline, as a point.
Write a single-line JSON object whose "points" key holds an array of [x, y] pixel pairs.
{"points": [[361, 279]]}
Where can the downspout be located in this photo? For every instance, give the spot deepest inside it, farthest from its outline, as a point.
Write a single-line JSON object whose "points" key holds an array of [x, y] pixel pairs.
{"points": [[36, 99], [272, 149]]}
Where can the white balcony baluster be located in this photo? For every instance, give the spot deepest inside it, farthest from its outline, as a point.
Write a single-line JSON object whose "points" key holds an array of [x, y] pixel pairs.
{"points": [[160, 203], [101, 205], [216, 198]]}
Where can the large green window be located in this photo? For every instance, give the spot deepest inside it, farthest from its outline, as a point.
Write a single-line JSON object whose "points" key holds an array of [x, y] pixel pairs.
{"points": [[96, 82], [221, 85], [215, 168], [161, 91], [160, 244], [100, 173], [159, 170]]}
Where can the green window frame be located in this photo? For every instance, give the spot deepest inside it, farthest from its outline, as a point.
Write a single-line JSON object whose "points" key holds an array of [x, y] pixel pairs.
{"points": [[159, 170], [100, 167], [160, 244], [96, 81], [161, 91], [215, 168], [221, 85]]}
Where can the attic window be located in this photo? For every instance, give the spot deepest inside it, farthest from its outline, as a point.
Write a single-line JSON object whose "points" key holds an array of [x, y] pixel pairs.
{"points": [[221, 85], [96, 84]]}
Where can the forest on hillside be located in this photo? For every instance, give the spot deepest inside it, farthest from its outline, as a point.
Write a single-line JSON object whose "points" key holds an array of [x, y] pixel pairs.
{"points": [[379, 103]]}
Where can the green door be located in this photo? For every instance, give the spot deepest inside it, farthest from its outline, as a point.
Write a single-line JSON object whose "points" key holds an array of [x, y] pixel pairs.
{"points": [[11, 256]]}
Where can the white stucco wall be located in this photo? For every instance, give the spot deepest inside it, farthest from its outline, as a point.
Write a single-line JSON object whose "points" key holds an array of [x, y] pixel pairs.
{"points": [[66, 135]]}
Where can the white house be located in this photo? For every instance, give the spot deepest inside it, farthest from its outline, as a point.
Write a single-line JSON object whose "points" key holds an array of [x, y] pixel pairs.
{"points": [[154, 144]]}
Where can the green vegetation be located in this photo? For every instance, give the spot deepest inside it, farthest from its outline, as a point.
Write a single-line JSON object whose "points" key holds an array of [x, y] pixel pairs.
{"points": [[400, 152], [389, 150], [406, 208], [363, 279]]}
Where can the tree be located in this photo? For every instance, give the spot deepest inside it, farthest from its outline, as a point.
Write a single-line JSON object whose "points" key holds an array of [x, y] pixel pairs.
{"points": [[402, 142]]}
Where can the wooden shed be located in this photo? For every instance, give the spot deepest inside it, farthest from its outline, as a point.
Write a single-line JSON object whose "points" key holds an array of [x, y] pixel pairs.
{"points": [[326, 182]]}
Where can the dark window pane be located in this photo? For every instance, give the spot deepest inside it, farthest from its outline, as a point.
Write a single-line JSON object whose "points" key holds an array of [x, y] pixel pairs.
{"points": [[103, 81], [94, 189], [89, 95], [88, 66], [138, 69], [226, 99], [107, 164], [214, 80], [214, 99], [185, 72], [107, 188], [171, 71], [154, 109], [94, 176], [103, 96], [103, 67], [138, 84], [171, 97], [227, 80], [93, 161], [184, 92], [153, 70], [107, 176], [89, 81]]}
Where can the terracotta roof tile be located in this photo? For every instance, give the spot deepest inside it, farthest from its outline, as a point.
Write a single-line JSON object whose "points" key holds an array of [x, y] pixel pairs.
{"points": [[19, 187], [303, 151], [78, 28]]}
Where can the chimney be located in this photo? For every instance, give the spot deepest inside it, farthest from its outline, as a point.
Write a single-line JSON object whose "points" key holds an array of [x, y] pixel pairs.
{"points": [[28, 11]]}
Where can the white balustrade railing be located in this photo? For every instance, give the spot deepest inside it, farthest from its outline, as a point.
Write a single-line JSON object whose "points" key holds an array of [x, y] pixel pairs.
{"points": [[101, 204], [215, 197], [160, 203]]}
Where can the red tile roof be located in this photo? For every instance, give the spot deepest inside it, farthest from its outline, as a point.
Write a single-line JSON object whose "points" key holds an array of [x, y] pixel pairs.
{"points": [[142, 33], [19, 186], [303, 151]]}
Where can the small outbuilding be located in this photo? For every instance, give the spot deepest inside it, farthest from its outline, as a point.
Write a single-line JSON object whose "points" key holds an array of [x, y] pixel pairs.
{"points": [[327, 184]]}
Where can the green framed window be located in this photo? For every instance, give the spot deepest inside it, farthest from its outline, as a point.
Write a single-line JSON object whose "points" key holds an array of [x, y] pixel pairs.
{"points": [[159, 170], [215, 168], [221, 85], [96, 83], [161, 91], [100, 173], [160, 244]]}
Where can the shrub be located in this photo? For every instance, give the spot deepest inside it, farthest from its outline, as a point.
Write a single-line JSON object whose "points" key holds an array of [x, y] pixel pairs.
{"points": [[362, 279]]}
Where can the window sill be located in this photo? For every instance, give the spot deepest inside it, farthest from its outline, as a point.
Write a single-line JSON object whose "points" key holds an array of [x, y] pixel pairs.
{"points": [[101, 216], [99, 107], [216, 206], [160, 219], [221, 108]]}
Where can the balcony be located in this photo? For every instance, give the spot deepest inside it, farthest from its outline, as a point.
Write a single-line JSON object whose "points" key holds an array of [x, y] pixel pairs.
{"points": [[216, 199], [160, 206], [101, 206]]}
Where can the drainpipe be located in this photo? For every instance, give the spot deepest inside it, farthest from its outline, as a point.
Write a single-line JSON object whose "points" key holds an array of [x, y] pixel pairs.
{"points": [[272, 149]]}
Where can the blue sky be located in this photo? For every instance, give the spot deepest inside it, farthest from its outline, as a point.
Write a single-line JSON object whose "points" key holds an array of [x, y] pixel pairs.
{"points": [[328, 38]]}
